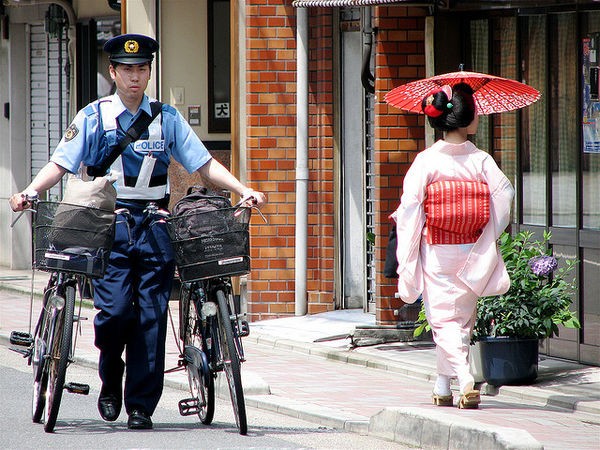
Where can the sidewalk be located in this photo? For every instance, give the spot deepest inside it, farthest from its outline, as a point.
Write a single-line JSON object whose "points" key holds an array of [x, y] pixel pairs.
{"points": [[383, 390]]}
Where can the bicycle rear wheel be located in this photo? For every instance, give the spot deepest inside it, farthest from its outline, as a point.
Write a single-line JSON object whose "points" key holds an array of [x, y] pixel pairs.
{"points": [[202, 386], [231, 363], [58, 354]]}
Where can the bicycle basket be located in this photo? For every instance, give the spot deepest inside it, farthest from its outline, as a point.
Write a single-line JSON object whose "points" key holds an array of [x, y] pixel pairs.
{"points": [[73, 238], [211, 243]]}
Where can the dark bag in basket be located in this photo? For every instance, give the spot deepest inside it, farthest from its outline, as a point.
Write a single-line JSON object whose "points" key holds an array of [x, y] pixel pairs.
{"points": [[209, 237], [200, 199]]}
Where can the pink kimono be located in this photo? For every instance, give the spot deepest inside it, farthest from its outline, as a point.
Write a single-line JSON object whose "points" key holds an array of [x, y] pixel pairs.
{"points": [[451, 277]]}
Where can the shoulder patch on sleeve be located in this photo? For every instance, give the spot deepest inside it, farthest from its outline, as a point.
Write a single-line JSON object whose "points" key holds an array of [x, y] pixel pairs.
{"points": [[71, 132]]}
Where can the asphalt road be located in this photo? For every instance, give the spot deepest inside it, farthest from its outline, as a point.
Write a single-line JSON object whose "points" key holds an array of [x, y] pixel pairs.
{"points": [[80, 426]]}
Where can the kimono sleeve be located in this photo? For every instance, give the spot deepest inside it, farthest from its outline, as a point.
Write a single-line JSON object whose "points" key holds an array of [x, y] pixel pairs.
{"points": [[410, 220], [484, 271]]}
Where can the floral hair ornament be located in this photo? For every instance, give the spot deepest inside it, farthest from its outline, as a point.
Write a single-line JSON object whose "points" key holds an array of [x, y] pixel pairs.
{"points": [[448, 91], [431, 110]]}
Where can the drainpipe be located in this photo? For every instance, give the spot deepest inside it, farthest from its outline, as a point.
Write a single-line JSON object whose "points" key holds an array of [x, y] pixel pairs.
{"points": [[72, 36], [366, 77], [301, 305]]}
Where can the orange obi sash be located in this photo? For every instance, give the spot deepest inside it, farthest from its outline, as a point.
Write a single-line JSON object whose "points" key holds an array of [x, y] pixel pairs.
{"points": [[456, 211]]}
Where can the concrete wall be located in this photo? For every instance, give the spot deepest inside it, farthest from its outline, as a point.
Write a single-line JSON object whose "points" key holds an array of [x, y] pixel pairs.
{"points": [[14, 157], [88, 9]]}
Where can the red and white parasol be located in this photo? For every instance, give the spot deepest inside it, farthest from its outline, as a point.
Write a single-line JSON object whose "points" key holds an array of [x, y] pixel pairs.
{"points": [[492, 94]]}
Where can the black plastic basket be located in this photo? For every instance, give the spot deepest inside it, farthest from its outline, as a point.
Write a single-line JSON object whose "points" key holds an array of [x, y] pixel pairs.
{"points": [[211, 243], [73, 238]]}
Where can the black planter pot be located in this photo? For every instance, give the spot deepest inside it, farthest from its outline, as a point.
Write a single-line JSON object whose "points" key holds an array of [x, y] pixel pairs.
{"points": [[509, 360]]}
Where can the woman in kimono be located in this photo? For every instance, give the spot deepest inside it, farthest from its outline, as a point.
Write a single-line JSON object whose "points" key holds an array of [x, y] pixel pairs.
{"points": [[455, 204]]}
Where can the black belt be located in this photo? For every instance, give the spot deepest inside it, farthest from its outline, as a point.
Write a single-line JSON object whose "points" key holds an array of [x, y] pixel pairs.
{"points": [[162, 203], [157, 180]]}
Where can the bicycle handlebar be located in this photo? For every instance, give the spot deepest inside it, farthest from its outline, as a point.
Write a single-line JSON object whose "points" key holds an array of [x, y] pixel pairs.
{"points": [[250, 201], [27, 203]]}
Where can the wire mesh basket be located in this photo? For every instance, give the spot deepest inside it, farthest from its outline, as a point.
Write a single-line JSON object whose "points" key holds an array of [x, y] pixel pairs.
{"points": [[72, 238], [211, 243]]}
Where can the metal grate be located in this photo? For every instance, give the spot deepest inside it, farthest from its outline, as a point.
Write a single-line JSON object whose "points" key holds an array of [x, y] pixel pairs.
{"points": [[370, 204]]}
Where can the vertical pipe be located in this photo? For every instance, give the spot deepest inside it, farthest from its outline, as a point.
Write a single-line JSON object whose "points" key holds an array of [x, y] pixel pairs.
{"points": [[301, 160]]}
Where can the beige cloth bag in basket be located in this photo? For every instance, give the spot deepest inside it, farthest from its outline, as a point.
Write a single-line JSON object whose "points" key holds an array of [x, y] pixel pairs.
{"points": [[85, 216], [98, 193]]}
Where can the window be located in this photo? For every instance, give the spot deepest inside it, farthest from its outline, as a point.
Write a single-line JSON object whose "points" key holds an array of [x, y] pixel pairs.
{"points": [[219, 67], [564, 129], [591, 123], [479, 31], [534, 127]]}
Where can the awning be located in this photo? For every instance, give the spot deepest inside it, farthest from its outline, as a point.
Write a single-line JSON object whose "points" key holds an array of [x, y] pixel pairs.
{"points": [[342, 3]]}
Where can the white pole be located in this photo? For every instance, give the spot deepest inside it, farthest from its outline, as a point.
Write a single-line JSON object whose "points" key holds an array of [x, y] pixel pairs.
{"points": [[301, 160]]}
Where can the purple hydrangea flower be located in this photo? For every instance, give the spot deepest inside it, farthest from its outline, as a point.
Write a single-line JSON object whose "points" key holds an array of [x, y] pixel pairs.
{"points": [[543, 265]]}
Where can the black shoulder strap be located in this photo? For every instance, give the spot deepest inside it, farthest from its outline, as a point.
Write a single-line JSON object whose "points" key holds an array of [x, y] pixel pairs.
{"points": [[131, 135]]}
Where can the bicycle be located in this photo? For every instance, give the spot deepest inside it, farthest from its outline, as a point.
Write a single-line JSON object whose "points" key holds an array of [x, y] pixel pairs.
{"points": [[210, 323], [73, 243]]}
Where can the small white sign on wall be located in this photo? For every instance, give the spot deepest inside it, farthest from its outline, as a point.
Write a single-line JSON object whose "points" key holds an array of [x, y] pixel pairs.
{"points": [[194, 115], [222, 111]]}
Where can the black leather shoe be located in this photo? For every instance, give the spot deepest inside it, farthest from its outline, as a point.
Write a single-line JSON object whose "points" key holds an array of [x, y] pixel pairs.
{"points": [[109, 406], [139, 420]]}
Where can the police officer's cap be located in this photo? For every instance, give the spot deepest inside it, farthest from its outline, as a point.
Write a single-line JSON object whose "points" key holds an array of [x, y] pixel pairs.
{"points": [[131, 49]]}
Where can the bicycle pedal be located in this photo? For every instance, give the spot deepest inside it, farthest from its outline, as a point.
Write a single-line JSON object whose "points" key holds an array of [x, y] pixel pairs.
{"points": [[189, 406], [77, 318], [20, 351], [244, 329], [77, 388], [21, 338]]}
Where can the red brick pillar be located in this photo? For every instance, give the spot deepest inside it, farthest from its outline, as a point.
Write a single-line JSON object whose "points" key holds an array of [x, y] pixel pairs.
{"points": [[399, 136]]}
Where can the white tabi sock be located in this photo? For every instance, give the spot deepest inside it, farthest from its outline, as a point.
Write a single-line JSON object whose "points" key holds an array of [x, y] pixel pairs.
{"points": [[442, 385]]}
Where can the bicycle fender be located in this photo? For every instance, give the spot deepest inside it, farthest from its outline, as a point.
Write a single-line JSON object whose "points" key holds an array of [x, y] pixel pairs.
{"points": [[197, 358]]}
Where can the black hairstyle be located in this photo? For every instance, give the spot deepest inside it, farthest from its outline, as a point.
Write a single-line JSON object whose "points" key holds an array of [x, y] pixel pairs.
{"points": [[117, 64], [446, 114]]}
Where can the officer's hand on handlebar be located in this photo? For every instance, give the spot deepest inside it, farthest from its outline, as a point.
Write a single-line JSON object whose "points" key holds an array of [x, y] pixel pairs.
{"points": [[254, 198], [22, 200]]}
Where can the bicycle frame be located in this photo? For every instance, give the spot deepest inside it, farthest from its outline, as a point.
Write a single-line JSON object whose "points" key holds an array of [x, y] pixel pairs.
{"points": [[212, 344], [51, 349], [211, 244]]}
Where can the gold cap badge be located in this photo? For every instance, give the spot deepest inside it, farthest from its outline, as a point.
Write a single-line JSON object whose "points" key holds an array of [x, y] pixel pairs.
{"points": [[131, 47]]}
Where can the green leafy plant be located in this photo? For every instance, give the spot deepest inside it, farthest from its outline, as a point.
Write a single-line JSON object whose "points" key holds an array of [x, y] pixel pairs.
{"points": [[421, 323], [540, 293], [539, 297]]}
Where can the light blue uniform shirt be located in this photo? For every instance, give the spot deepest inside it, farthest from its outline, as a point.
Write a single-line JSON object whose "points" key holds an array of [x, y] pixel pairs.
{"points": [[86, 141]]}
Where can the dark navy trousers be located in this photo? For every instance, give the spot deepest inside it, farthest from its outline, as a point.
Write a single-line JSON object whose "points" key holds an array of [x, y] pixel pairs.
{"points": [[132, 299]]}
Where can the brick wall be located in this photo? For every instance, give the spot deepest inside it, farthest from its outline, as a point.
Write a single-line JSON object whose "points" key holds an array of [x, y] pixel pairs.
{"points": [[399, 136], [271, 146]]}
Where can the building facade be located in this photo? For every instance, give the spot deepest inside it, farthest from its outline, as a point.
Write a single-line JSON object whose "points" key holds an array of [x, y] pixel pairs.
{"points": [[302, 118]]}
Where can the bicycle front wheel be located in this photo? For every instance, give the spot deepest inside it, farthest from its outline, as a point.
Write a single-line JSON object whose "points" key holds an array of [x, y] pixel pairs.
{"points": [[231, 363], [41, 338], [58, 354]]}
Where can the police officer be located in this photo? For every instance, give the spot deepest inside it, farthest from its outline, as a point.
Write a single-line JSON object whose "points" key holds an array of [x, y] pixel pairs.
{"points": [[130, 327]]}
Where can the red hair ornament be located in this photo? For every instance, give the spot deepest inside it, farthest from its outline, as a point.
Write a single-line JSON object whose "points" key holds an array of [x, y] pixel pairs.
{"points": [[430, 110]]}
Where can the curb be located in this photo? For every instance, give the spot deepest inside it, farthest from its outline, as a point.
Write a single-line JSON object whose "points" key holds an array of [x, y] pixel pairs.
{"points": [[432, 429], [537, 394]]}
